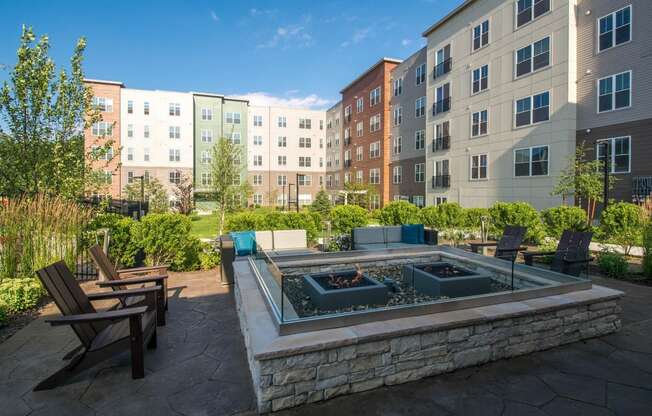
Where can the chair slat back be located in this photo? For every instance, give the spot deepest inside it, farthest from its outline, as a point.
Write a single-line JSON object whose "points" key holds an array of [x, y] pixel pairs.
{"points": [[69, 298], [572, 246], [103, 262], [510, 241]]}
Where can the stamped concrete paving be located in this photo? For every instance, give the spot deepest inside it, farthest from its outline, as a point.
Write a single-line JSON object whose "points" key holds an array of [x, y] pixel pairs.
{"points": [[200, 368]]}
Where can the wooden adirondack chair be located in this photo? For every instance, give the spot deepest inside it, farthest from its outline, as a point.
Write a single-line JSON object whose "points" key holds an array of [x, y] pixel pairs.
{"points": [[102, 334], [508, 246], [121, 279], [572, 254]]}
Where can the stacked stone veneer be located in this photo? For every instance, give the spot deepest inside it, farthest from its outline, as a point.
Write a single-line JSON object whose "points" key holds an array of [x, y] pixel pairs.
{"points": [[286, 381]]}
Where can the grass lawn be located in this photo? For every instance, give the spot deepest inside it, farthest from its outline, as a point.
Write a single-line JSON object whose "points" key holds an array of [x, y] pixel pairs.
{"points": [[204, 226]]}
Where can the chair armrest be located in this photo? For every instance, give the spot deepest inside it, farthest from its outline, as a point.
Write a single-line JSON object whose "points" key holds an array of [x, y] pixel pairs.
{"points": [[132, 281], [538, 253], [115, 315], [123, 293], [587, 260], [145, 269], [486, 244]]}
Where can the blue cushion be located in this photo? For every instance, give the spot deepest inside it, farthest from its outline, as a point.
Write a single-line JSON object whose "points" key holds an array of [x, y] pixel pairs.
{"points": [[412, 234], [244, 242]]}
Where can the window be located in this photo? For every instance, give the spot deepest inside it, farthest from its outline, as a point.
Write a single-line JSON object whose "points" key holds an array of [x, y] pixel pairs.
{"points": [[420, 107], [305, 142], [305, 161], [281, 180], [102, 128], [321, 124], [374, 96], [103, 104], [146, 132], [347, 177], [258, 199], [359, 105], [614, 92], [442, 102], [206, 179], [621, 20], [321, 162], [108, 177], [532, 161], [130, 107], [347, 113], [258, 160], [206, 114], [419, 139], [282, 160], [130, 177], [479, 123], [236, 180], [207, 136], [479, 167], [175, 155], [305, 123], [443, 61], [359, 128], [104, 154], [130, 153], [397, 145], [374, 176], [235, 137], [146, 154], [480, 79], [442, 136], [258, 140], [206, 157], [359, 153], [282, 141], [374, 150], [438, 200], [481, 35], [442, 169], [146, 108], [304, 180], [418, 200], [258, 179], [398, 87], [282, 121], [175, 177], [130, 130], [321, 143], [532, 110], [175, 109], [397, 175], [347, 158], [281, 200], [398, 115], [258, 121], [237, 159], [419, 172], [174, 132], [329, 161], [533, 57], [233, 117], [619, 153], [375, 201], [359, 178], [374, 123], [420, 74], [528, 10]]}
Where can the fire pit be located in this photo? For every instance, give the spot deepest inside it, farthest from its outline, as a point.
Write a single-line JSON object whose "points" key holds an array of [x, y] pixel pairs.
{"points": [[344, 289], [445, 279]]}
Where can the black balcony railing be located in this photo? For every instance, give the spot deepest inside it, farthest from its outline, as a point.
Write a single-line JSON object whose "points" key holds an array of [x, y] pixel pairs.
{"points": [[441, 143], [441, 181], [441, 106], [443, 68], [347, 163], [347, 141]]}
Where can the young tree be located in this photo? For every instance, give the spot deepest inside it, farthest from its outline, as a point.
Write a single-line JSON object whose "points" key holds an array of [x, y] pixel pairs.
{"points": [[183, 191], [229, 189], [45, 114], [321, 204], [155, 194]]}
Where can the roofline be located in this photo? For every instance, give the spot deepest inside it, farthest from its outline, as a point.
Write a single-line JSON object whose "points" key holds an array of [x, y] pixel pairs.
{"points": [[207, 94], [446, 18], [371, 68], [335, 105], [102, 81], [411, 56]]}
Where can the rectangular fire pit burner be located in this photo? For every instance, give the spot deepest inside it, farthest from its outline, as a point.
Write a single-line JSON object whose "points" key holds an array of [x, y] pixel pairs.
{"points": [[445, 279], [344, 289]]}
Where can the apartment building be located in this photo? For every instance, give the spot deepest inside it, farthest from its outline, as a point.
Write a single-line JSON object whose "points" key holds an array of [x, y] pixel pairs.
{"points": [[285, 155], [157, 136], [366, 129], [333, 174], [408, 129], [502, 88], [107, 99], [614, 94]]}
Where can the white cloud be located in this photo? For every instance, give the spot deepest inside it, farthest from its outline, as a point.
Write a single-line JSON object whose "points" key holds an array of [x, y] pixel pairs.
{"points": [[254, 12], [214, 16], [312, 101], [359, 35], [406, 42], [289, 36]]}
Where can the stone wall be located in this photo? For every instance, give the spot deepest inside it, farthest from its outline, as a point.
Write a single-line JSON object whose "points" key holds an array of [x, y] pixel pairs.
{"points": [[289, 381]]}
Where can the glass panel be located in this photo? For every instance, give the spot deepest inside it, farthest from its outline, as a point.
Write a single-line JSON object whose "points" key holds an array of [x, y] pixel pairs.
{"points": [[541, 7]]}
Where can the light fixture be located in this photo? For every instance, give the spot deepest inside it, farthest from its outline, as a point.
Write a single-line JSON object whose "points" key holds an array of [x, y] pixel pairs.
{"points": [[588, 12]]}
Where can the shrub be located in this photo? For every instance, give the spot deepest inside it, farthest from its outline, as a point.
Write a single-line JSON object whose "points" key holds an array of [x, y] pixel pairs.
{"points": [[18, 295], [243, 221], [516, 213], [443, 216], [612, 264], [473, 217], [321, 204], [399, 212], [547, 245], [123, 248], [556, 220], [266, 219], [621, 223], [346, 217], [303, 220], [3, 313], [209, 258], [647, 250]]}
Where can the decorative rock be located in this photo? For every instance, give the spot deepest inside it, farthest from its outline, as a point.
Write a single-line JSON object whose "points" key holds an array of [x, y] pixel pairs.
{"points": [[433, 338], [370, 348], [336, 391], [405, 344], [458, 334], [472, 357], [283, 403], [332, 370], [292, 376], [365, 363], [361, 375], [304, 387], [274, 392], [366, 385], [332, 382]]}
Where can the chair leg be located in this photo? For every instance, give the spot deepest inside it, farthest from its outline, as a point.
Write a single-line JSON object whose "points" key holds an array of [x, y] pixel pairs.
{"points": [[160, 307], [137, 353], [152, 344]]}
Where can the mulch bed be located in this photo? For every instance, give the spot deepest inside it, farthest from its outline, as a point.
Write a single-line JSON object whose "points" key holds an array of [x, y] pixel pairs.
{"points": [[18, 321]]}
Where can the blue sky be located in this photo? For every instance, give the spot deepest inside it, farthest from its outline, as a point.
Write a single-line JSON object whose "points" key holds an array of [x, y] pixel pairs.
{"points": [[284, 52]]}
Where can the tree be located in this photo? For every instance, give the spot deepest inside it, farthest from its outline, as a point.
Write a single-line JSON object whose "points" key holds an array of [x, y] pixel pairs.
{"points": [[360, 194], [155, 194], [228, 188], [45, 114], [321, 204], [584, 179], [183, 192]]}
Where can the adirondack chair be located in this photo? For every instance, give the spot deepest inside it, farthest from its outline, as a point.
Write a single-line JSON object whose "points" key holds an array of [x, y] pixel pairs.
{"points": [[121, 279], [572, 254], [508, 246], [102, 334]]}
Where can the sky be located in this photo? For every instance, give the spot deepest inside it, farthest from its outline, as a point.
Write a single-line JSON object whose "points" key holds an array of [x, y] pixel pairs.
{"points": [[287, 53]]}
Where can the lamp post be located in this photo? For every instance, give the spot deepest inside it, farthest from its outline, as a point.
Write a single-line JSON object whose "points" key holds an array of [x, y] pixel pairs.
{"points": [[298, 175], [142, 195]]}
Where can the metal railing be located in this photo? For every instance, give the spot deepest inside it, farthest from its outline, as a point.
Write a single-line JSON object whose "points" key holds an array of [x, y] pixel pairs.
{"points": [[441, 106], [441, 143], [443, 68], [441, 181]]}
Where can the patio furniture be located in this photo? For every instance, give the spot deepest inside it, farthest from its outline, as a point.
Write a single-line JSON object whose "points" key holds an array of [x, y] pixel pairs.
{"points": [[121, 279], [508, 246], [397, 236], [102, 334], [571, 256]]}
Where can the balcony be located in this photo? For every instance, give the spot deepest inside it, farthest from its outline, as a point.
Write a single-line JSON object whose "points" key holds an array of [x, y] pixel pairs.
{"points": [[441, 143], [441, 106], [441, 181], [443, 68], [347, 163], [347, 141], [347, 118]]}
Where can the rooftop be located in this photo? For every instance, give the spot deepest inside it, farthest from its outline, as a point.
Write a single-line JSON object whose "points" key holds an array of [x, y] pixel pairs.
{"points": [[369, 70]]}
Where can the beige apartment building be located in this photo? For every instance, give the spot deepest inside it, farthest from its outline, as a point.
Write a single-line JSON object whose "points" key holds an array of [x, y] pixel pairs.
{"points": [[333, 157]]}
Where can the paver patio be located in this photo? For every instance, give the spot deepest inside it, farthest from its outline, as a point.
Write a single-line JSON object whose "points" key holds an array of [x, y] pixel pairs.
{"points": [[200, 368]]}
